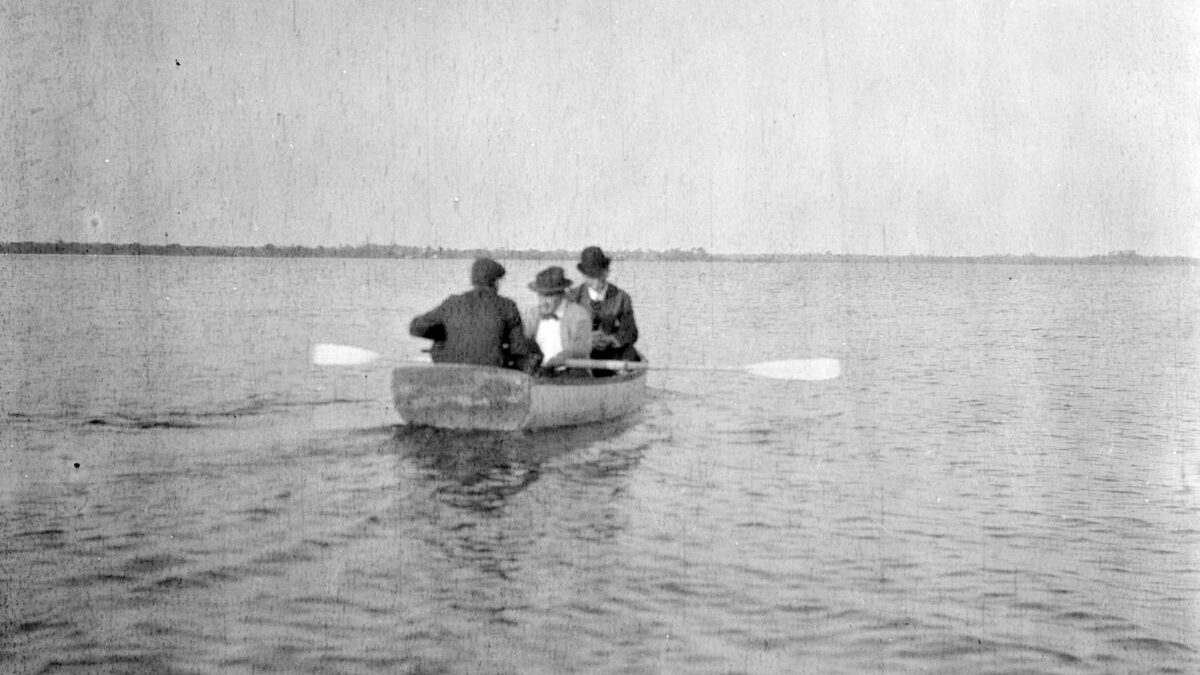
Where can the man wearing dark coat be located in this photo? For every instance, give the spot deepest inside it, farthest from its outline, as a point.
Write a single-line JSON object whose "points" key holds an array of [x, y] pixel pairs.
{"points": [[478, 327], [614, 330]]}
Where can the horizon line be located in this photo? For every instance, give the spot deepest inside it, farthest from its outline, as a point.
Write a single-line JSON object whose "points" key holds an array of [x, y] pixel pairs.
{"points": [[402, 251]]}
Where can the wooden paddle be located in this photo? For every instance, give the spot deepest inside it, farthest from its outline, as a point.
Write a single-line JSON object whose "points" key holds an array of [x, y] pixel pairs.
{"points": [[795, 369]]}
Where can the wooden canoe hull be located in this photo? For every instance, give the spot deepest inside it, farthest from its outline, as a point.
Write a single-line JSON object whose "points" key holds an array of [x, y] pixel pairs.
{"points": [[451, 396]]}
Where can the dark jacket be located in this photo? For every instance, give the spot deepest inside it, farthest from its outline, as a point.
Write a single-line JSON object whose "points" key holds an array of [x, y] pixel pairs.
{"points": [[611, 315], [478, 327]]}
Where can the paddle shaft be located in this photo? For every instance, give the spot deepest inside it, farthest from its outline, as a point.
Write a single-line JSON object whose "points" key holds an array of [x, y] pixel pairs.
{"points": [[642, 365], [639, 365], [606, 365], [797, 369]]}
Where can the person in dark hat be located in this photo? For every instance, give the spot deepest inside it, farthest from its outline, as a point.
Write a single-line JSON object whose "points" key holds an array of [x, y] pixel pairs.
{"points": [[478, 327], [614, 330], [560, 328]]}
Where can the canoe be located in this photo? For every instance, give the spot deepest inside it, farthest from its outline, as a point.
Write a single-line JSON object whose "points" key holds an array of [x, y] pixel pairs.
{"points": [[452, 396]]}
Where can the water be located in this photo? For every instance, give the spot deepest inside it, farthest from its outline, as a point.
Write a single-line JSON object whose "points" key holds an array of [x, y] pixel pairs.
{"points": [[1004, 479]]}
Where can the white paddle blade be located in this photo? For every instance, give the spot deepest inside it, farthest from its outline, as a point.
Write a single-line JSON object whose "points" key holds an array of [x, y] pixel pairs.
{"points": [[800, 369], [341, 355]]}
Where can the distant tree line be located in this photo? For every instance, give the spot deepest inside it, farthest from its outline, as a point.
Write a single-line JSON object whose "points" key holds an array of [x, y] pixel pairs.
{"points": [[675, 254]]}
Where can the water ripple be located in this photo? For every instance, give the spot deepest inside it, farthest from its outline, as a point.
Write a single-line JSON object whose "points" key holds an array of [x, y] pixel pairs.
{"points": [[1004, 479]]}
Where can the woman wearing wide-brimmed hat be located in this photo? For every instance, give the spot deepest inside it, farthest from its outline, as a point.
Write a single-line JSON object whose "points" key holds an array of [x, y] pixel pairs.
{"points": [[614, 330], [560, 328]]}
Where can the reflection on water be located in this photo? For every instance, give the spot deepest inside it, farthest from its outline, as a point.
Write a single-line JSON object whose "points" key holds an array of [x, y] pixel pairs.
{"points": [[468, 481], [479, 470], [476, 472]]}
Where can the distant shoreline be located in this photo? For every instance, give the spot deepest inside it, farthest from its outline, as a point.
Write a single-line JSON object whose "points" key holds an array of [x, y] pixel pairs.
{"points": [[673, 255]]}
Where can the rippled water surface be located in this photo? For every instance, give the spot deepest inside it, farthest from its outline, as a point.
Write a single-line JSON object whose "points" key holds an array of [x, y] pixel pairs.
{"points": [[1004, 479]]}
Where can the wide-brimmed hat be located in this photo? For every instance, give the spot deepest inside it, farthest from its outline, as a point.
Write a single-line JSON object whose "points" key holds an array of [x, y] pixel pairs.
{"points": [[550, 281], [593, 262], [486, 272]]}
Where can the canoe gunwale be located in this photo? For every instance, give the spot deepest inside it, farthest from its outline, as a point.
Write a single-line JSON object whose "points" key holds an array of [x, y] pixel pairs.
{"points": [[577, 381]]}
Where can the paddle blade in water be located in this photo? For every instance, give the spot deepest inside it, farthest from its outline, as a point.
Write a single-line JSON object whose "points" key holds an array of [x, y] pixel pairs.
{"points": [[800, 369], [341, 355]]}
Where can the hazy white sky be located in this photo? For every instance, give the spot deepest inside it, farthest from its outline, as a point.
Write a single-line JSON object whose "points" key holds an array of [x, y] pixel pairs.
{"points": [[1059, 128]]}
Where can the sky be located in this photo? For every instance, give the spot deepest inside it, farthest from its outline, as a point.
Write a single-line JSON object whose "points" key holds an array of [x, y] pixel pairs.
{"points": [[796, 126]]}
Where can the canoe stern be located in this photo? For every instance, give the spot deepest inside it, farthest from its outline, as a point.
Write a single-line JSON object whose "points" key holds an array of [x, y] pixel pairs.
{"points": [[461, 397], [481, 398]]}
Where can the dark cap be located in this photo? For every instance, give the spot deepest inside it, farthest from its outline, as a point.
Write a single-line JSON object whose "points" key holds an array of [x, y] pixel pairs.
{"points": [[486, 272], [593, 262]]}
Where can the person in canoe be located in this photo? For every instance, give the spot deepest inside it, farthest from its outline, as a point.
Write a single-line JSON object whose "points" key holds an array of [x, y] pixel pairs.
{"points": [[478, 327], [560, 328], [614, 330]]}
